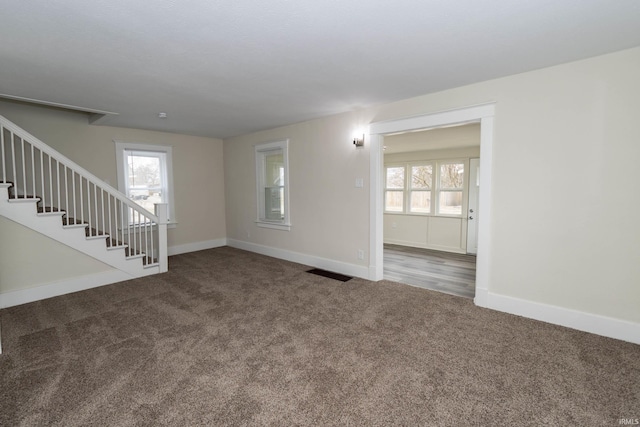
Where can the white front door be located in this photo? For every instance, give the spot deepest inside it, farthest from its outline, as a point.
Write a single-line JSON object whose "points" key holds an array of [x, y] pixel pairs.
{"points": [[472, 214]]}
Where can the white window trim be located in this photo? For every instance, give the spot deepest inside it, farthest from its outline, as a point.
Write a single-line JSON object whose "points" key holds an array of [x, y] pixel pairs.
{"points": [[435, 187], [122, 146], [409, 190], [464, 190], [260, 150], [403, 189]]}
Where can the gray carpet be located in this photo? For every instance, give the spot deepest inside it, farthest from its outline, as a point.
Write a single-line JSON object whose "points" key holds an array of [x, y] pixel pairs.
{"points": [[227, 337]]}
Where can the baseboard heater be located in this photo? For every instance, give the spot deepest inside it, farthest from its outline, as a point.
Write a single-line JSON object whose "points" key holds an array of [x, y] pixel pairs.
{"points": [[330, 274]]}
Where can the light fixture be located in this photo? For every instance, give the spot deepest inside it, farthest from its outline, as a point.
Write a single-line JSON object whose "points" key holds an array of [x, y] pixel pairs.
{"points": [[162, 115], [358, 140]]}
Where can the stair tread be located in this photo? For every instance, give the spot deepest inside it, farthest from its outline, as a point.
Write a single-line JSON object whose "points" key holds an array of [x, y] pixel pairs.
{"points": [[50, 210], [24, 199], [73, 221]]}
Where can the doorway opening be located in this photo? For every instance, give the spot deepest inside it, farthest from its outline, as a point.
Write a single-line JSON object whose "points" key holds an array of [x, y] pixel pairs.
{"points": [[430, 208], [482, 114]]}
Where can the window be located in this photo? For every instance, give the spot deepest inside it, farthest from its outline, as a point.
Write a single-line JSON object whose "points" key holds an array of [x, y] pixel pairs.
{"points": [[145, 174], [450, 188], [394, 189], [420, 189], [272, 185], [425, 188]]}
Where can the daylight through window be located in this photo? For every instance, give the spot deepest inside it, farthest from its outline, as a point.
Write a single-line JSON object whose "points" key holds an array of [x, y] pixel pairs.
{"points": [[425, 188], [272, 185], [144, 174]]}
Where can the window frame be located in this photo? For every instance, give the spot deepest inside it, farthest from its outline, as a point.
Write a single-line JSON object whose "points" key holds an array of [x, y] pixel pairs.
{"points": [[403, 190], [434, 206], [439, 189], [166, 156], [411, 190], [261, 151]]}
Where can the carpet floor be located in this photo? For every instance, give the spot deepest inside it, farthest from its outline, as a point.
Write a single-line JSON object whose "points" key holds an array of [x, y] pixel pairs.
{"points": [[228, 337]]}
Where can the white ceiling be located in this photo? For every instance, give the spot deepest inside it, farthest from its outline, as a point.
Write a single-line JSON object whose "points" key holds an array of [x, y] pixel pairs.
{"points": [[226, 67]]}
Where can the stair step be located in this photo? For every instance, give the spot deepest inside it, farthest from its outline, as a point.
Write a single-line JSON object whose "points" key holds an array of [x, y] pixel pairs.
{"points": [[92, 233], [156, 264], [50, 210], [23, 199], [72, 221], [113, 248], [71, 226]]}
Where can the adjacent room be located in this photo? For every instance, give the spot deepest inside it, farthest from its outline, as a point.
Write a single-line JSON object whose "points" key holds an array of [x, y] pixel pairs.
{"points": [[319, 213], [432, 183]]}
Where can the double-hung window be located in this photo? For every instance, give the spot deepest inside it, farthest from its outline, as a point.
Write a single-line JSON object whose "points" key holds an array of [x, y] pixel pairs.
{"points": [[145, 175], [394, 189], [272, 185], [427, 188], [450, 188], [420, 188]]}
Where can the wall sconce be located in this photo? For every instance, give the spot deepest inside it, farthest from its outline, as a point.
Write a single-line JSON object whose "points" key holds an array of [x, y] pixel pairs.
{"points": [[358, 140]]}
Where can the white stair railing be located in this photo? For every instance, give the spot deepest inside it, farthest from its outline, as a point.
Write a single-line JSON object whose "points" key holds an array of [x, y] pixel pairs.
{"points": [[38, 171]]}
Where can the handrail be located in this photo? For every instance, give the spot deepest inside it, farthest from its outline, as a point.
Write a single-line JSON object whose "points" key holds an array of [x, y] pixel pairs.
{"points": [[60, 184], [71, 164]]}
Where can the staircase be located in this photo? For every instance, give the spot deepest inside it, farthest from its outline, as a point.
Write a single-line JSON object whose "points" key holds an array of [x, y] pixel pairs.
{"points": [[50, 194]]}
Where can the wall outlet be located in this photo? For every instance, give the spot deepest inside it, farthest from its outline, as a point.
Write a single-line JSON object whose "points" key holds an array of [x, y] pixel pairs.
{"points": [[359, 182], [360, 254], [394, 225]]}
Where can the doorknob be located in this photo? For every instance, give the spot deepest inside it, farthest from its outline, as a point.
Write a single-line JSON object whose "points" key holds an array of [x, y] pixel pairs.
{"points": [[470, 217], [471, 210]]}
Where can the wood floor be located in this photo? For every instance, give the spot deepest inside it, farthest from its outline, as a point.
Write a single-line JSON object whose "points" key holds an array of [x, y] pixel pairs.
{"points": [[439, 271]]}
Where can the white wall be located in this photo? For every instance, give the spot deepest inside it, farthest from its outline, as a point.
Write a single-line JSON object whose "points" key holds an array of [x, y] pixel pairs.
{"points": [[329, 215], [198, 184], [563, 227], [29, 259]]}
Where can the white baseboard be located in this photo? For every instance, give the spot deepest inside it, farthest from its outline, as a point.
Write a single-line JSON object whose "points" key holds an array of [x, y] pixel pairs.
{"points": [[310, 260], [582, 321], [61, 287], [76, 284], [453, 249], [197, 246]]}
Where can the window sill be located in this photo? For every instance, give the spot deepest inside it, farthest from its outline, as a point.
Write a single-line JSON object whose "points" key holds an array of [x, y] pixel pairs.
{"points": [[274, 225]]}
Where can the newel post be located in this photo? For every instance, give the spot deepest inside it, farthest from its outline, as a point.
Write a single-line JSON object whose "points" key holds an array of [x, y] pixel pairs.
{"points": [[161, 211]]}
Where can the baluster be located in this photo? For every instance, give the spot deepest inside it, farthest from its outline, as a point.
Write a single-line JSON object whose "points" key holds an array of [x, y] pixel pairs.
{"points": [[33, 171], [75, 205], [139, 233], [13, 157], [152, 242], [95, 207], [111, 233], [50, 186], [24, 168], [146, 238], [104, 229], [58, 184], [4, 163], [124, 225], [42, 196], [66, 192], [81, 199]]}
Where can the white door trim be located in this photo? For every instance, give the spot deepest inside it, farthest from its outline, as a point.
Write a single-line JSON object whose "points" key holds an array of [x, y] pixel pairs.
{"points": [[479, 113], [472, 203]]}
